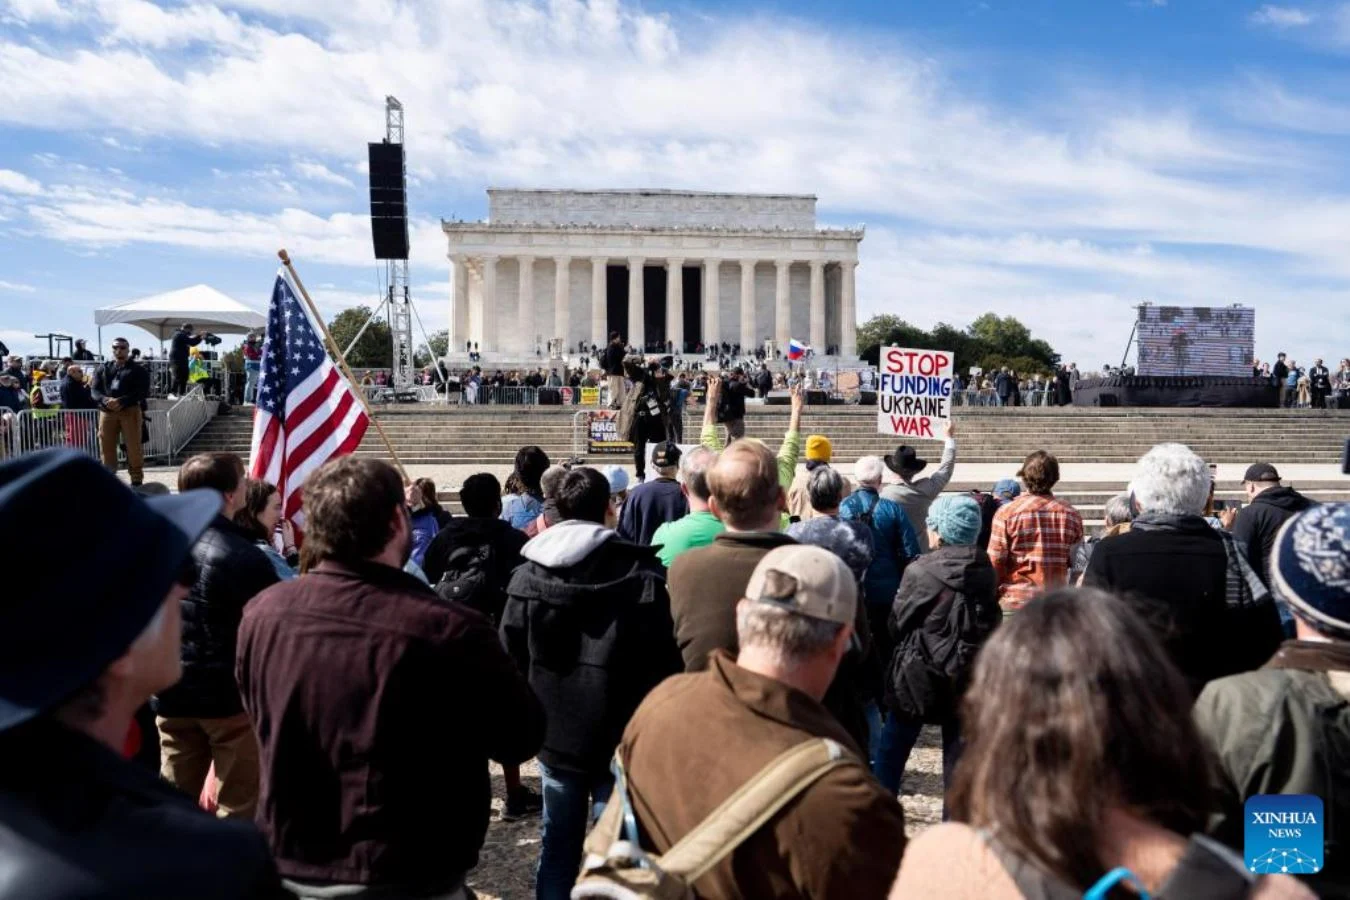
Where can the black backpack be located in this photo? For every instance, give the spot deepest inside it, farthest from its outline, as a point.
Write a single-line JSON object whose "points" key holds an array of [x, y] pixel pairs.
{"points": [[988, 506], [471, 577]]}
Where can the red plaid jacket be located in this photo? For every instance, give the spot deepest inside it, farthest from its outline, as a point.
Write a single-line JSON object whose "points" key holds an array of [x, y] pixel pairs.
{"points": [[1031, 545]]}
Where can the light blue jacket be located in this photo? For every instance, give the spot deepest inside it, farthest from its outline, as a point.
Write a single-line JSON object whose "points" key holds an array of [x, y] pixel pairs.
{"points": [[893, 539]]}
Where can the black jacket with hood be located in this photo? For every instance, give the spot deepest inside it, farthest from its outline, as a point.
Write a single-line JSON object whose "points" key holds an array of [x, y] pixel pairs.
{"points": [[1258, 523], [469, 531], [944, 611], [588, 621]]}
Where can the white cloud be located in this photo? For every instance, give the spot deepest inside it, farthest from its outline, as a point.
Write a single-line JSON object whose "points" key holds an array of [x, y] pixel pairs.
{"points": [[17, 288], [17, 183], [1281, 16], [1084, 204], [316, 171]]}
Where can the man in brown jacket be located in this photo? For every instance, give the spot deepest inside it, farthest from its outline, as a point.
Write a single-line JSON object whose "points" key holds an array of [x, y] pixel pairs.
{"points": [[377, 705], [705, 583], [698, 738]]}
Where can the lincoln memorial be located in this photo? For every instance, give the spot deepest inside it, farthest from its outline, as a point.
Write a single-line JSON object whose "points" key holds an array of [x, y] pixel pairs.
{"points": [[682, 267]]}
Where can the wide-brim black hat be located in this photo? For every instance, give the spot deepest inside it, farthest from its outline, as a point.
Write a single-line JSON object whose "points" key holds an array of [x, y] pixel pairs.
{"points": [[904, 461], [87, 600]]}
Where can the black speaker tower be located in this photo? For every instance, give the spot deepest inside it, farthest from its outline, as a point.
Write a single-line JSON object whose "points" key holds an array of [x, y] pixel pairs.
{"points": [[388, 201]]}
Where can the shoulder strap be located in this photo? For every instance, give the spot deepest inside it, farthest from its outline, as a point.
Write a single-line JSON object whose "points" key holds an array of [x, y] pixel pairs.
{"points": [[754, 803]]}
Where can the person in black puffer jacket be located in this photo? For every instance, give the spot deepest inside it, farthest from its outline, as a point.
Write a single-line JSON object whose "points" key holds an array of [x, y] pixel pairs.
{"points": [[1269, 505], [944, 611], [588, 621], [201, 719]]}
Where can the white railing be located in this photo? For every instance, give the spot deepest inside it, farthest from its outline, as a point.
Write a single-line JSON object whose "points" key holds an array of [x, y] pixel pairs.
{"points": [[183, 420], [42, 429]]}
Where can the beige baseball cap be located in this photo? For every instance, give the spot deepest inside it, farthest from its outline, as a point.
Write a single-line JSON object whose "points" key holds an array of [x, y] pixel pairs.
{"points": [[809, 581]]}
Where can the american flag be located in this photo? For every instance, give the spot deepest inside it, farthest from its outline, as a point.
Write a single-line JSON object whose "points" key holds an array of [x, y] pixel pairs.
{"points": [[306, 412]]}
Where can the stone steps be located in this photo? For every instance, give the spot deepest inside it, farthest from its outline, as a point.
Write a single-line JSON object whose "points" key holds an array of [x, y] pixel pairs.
{"points": [[491, 436]]}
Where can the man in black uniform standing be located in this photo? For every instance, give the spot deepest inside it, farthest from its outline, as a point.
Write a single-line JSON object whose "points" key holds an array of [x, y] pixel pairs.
{"points": [[183, 338]]}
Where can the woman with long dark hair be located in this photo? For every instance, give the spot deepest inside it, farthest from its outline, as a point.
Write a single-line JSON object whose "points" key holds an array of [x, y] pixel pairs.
{"points": [[524, 499], [1081, 760], [261, 517]]}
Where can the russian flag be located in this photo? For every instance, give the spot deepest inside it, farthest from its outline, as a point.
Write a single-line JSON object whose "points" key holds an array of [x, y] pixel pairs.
{"points": [[795, 349]]}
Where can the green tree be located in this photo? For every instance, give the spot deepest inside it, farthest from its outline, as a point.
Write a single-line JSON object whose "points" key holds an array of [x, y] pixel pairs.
{"points": [[989, 341], [440, 346], [375, 349]]}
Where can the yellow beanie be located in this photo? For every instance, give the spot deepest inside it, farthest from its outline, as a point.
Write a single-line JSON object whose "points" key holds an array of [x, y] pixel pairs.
{"points": [[818, 448]]}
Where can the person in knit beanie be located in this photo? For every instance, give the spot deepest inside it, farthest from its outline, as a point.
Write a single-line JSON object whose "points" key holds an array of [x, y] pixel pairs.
{"points": [[819, 452], [1285, 728], [945, 610]]}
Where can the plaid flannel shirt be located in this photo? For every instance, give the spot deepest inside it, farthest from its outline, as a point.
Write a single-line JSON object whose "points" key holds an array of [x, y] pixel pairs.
{"points": [[1031, 546]]}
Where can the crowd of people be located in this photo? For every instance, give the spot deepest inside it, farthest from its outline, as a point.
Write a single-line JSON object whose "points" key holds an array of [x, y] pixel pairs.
{"points": [[722, 667], [1314, 387]]}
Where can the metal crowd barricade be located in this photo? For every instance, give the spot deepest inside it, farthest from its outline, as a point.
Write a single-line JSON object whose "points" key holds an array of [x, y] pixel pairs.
{"points": [[581, 433], [183, 420], [508, 395], [42, 429]]}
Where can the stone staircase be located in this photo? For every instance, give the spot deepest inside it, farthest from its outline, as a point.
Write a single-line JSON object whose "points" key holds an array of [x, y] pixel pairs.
{"points": [[486, 435]]}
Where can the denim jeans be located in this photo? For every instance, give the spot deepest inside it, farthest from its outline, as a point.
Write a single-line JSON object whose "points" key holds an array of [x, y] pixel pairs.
{"points": [[251, 372], [571, 802], [895, 743]]}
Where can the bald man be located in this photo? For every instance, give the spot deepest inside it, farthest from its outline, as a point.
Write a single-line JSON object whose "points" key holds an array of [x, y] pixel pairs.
{"points": [[706, 583]]}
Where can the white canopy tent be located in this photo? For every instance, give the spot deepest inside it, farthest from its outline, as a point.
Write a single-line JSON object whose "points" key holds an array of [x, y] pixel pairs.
{"points": [[161, 315]]}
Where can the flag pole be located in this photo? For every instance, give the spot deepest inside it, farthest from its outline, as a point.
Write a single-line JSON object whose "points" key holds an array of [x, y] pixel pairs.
{"points": [[342, 364]]}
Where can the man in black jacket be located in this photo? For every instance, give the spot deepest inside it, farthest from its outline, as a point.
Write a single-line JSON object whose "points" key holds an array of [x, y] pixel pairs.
{"points": [[120, 389], [588, 619], [1185, 577], [183, 338], [1319, 380], [76, 818], [378, 705], [1280, 373], [612, 361], [731, 406], [470, 561], [1269, 505], [82, 353], [201, 719]]}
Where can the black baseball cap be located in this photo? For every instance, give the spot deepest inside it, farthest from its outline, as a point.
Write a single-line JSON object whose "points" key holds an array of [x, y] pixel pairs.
{"points": [[1261, 472], [95, 597], [668, 454]]}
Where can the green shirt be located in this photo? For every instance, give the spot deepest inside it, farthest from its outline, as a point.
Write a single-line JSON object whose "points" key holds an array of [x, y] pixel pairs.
{"points": [[695, 530]]}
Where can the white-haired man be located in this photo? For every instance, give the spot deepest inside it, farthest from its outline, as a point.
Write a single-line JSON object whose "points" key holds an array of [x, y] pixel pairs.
{"points": [[843, 835], [1191, 581]]}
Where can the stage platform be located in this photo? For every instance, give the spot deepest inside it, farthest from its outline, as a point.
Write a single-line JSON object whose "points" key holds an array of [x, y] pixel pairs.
{"points": [[1185, 392]]}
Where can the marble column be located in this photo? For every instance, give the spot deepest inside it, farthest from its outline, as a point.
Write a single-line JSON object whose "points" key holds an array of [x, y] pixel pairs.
{"points": [[459, 304], [818, 339], [637, 331], [848, 308], [675, 303], [562, 297], [712, 302], [747, 305], [599, 301], [524, 341], [487, 307], [782, 311]]}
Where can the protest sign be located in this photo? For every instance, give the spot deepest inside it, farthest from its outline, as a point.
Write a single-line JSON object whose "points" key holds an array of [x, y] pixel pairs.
{"points": [[603, 433], [590, 396], [914, 391], [51, 391]]}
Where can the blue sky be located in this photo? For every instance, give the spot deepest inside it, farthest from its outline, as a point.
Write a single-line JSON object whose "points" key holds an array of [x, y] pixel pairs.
{"points": [[1056, 160]]}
